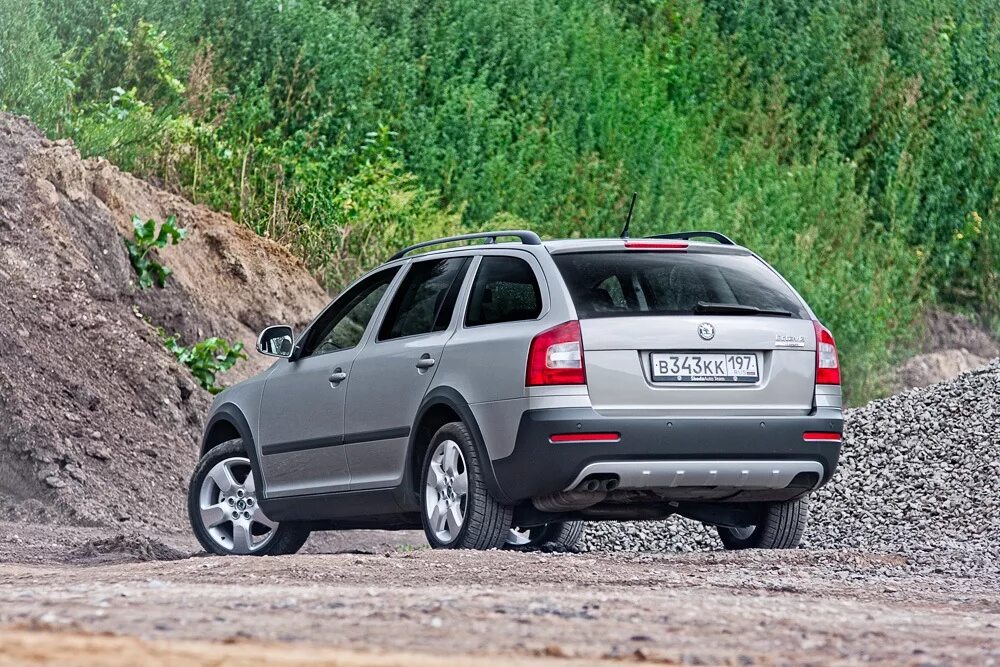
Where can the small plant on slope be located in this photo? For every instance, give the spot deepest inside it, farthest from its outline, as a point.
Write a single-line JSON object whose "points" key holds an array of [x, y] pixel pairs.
{"points": [[147, 237], [205, 359]]}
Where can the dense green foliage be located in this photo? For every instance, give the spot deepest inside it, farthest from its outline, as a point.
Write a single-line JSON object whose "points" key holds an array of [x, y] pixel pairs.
{"points": [[853, 144], [205, 359], [147, 237]]}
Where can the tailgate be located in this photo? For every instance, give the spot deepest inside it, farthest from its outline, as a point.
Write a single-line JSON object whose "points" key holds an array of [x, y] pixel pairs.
{"points": [[687, 312], [618, 353]]}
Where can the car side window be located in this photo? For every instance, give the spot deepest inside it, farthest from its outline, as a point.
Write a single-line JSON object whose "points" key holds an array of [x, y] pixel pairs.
{"points": [[426, 298], [505, 290], [344, 324]]}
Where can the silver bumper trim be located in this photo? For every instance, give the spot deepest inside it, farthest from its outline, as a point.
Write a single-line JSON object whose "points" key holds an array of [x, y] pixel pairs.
{"points": [[729, 474]]}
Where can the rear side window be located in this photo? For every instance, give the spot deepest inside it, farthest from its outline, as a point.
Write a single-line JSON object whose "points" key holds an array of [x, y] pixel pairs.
{"points": [[628, 283], [425, 300], [505, 290]]}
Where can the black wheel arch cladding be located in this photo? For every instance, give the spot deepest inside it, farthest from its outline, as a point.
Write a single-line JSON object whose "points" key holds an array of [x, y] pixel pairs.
{"points": [[225, 420], [451, 399]]}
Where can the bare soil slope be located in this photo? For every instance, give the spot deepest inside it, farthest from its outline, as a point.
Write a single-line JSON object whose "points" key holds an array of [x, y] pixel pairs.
{"points": [[952, 345], [98, 423]]}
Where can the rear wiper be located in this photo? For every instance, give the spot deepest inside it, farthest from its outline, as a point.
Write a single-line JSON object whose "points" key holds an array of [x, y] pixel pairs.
{"points": [[736, 309]]}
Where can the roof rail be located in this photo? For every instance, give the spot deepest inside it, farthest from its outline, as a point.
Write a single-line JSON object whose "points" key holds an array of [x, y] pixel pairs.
{"points": [[527, 238], [687, 236]]}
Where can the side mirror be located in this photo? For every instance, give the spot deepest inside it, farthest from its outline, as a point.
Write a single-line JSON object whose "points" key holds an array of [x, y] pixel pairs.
{"points": [[275, 341]]}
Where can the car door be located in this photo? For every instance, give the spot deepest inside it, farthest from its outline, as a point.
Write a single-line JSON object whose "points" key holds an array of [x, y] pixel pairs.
{"points": [[393, 372], [301, 428]]}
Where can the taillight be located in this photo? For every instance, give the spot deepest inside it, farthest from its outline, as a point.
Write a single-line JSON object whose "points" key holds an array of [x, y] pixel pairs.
{"points": [[556, 357], [827, 362]]}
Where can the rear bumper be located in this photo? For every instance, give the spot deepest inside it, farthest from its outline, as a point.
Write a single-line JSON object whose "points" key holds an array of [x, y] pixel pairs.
{"points": [[740, 474], [738, 453]]}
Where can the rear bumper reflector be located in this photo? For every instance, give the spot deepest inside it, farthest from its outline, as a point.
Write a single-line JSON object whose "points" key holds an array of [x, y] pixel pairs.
{"points": [[585, 437], [821, 436]]}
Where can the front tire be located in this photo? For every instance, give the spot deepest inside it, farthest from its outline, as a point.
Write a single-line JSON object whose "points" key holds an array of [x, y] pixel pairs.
{"points": [[224, 510], [556, 536], [457, 510], [781, 526]]}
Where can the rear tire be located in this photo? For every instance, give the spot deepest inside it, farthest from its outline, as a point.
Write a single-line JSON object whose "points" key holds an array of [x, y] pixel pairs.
{"points": [[457, 510], [557, 536], [780, 527], [223, 475]]}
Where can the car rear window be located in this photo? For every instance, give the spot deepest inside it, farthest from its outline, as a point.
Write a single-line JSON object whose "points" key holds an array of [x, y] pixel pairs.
{"points": [[628, 283]]}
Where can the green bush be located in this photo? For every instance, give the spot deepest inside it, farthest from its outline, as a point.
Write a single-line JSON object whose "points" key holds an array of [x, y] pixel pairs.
{"points": [[854, 145], [359, 221], [32, 80], [205, 359], [147, 237]]}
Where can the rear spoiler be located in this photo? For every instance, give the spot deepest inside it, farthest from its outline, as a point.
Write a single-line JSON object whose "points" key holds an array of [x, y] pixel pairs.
{"points": [[687, 236]]}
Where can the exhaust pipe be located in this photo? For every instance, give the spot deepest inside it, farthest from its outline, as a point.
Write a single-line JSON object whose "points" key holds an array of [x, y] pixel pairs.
{"points": [[588, 492], [610, 484]]}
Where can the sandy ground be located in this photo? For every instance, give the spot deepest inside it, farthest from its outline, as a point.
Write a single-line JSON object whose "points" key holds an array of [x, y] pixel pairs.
{"points": [[387, 603]]}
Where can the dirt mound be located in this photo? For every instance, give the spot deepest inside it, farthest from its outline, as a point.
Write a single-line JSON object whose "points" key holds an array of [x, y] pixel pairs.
{"points": [[126, 547], [930, 368], [226, 280], [952, 345], [98, 423], [951, 331]]}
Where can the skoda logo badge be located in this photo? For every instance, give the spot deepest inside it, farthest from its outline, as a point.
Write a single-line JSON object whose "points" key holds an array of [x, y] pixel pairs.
{"points": [[706, 331]]}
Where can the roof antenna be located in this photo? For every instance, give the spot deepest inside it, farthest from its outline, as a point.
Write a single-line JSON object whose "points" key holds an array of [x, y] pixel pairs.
{"points": [[628, 218]]}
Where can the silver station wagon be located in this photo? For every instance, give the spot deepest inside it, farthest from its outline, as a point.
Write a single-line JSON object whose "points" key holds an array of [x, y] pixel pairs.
{"points": [[500, 394]]}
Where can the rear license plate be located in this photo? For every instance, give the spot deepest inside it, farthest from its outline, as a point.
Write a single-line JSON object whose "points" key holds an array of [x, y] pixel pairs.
{"points": [[695, 367]]}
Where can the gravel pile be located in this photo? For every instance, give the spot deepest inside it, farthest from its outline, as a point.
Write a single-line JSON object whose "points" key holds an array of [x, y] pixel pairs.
{"points": [[919, 475]]}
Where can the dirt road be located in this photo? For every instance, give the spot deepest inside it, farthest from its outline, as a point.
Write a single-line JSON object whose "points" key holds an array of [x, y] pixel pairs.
{"points": [[422, 607]]}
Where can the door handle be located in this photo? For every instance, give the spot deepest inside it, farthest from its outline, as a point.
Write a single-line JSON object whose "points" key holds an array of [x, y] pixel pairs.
{"points": [[425, 362], [338, 376]]}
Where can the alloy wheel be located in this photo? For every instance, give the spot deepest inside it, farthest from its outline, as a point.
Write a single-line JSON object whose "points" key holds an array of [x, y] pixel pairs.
{"points": [[447, 491], [230, 511]]}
